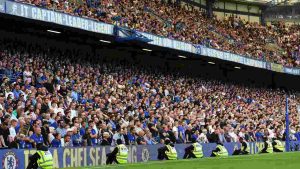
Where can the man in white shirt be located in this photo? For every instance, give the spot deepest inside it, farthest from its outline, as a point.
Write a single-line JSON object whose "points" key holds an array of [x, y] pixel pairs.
{"points": [[175, 129], [118, 135], [1, 101]]}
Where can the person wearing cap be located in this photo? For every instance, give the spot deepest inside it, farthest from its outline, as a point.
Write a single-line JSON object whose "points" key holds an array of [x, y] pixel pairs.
{"points": [[41, 159], [245, 148], [167, 152], [277, 146], [119, 155], [220, 151], [194, 150], [268, 148]]}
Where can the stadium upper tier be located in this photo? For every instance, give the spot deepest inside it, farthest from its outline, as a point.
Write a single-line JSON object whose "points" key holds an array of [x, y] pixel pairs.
{"points": [[91, 103], [276, 43]]}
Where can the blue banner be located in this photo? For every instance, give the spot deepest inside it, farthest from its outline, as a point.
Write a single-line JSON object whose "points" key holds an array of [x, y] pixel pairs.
{"points": [[32, 12], [95, 156], [231, 57], [291, 71], [170, 43]]}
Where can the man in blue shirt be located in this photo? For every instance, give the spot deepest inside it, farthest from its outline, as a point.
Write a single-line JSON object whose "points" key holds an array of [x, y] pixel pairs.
{"points": [[93, 133], [74, 94], [297, 134], [61, 128], [41, 80], [76, 138], [259, 135], [37, 137], [82, 129], [57, 141], [17, 92], [131, 136]]}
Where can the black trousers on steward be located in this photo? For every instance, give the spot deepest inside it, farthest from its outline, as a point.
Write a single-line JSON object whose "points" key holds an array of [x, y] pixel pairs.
{"points": [[110, 158], [161, 154]]}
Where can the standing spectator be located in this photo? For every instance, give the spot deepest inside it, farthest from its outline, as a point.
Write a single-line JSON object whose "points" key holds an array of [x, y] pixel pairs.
{"points": [[93, 134], [12, 129]]}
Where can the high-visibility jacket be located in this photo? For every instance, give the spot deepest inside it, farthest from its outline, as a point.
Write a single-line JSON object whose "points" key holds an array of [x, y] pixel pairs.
{"points": [[279, 145], [171, 153], [46, 160], [270, 147], [223, 151], [122, 154], [197, 150]]}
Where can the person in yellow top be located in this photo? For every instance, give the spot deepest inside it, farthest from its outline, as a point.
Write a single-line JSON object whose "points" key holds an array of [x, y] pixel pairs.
{"points": [[119, 155], [277, 146], [194, 150], [167, 152], [220, 151], [41, 159]]}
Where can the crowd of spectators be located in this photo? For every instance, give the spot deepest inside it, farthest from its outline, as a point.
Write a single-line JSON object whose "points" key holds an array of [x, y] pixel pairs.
{"points": [[64, 100], [275, 43]]}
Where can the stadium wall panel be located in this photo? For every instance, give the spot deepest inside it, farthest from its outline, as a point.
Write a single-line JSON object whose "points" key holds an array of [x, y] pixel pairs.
{"points": [[95, 156]]}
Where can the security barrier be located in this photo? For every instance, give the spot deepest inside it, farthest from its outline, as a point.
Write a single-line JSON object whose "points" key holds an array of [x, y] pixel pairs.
{"points": [[95, 156]]}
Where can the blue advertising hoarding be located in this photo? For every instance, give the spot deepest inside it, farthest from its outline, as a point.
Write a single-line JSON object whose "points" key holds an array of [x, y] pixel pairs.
{"points": [[95, 156]]}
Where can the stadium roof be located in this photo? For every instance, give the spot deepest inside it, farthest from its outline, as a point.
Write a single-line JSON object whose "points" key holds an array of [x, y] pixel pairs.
{"points": [[256, 1], [259, 2], [273, 2]]}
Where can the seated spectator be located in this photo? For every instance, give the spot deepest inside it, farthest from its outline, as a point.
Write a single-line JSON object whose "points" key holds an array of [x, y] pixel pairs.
{"points": [[118, 135], [140, 139], [149, 139], [37, 137], [61, 128], [76, 138], [66, 142], [56, 142], [131, 136], [105, 140]]}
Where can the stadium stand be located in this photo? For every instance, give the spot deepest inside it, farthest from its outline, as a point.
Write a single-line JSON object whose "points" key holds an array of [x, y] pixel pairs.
{"points": [[64, 98], [276, 43]]}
